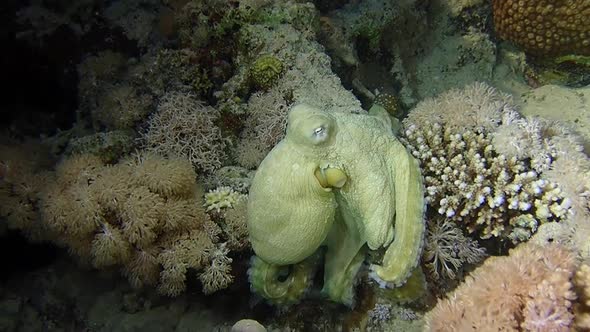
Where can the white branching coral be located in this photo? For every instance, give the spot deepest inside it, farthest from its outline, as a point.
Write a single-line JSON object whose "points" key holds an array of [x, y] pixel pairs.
{"points": [[474, 175], [184, 126]]}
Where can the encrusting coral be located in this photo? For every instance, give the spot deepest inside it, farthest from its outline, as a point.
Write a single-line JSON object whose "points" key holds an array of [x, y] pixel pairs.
{"points": [[529, 290], [144, 215], [486, 168]]}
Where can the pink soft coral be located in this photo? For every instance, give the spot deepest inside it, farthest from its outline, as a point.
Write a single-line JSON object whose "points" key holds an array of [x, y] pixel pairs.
{"points": [[528, 290]]}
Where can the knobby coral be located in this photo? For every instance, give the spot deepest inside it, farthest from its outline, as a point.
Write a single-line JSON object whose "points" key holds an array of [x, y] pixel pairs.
{"points": [[553, 27], [529, 290]]}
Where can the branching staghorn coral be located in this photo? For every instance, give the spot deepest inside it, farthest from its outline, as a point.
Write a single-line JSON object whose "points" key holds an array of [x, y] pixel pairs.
{"points": [[529, 290], [144, 215], [485, 166]]}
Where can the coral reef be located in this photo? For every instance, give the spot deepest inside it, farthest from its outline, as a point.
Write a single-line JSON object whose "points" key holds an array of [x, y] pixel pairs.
{"points": [[121, 107], [556, 27], [457, 6], [39, 22], [136, 18], [235, 226], [235, 177], [176, 71], [202, 84], [362, 21], [138, 214], [286, 33], [485, 166], [530, 290], [389, 318]]}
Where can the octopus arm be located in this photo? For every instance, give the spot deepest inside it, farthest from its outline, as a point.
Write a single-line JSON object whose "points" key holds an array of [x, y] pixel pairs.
{"points": [[402, 256]]}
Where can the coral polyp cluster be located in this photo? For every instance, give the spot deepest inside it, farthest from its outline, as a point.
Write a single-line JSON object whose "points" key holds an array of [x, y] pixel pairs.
{"points": [[554, 27]]}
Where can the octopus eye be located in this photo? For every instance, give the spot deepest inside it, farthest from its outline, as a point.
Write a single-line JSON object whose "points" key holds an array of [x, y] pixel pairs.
{"points": [[319, 132]]}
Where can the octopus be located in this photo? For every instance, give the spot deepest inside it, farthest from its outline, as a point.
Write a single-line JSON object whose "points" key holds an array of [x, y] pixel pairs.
{"points": [[338, 185]]}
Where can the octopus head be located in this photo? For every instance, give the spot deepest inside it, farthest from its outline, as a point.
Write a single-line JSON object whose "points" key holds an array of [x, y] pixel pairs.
{"points": [[310, 127]]}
